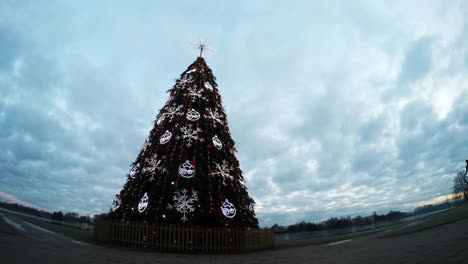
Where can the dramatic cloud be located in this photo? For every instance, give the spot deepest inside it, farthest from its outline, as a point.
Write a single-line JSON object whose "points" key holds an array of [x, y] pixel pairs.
{"points": [[337, 108]]}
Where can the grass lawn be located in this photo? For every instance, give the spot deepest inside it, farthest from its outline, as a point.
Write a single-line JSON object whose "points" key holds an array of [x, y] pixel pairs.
{"points": [[445, 217], [280, 243], [416, 225], [70, 232], [6, 228]]}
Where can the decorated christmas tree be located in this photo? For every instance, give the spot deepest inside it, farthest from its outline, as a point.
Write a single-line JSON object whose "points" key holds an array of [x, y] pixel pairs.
{"points": [[187, 171]]}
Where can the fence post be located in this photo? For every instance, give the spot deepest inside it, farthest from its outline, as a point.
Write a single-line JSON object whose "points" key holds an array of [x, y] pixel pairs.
{"points": [[164, 237], [122, 234], [138, 236]]}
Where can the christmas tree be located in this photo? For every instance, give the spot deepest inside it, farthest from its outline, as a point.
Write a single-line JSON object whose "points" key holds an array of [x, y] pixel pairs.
{"points": [[187, 171]]}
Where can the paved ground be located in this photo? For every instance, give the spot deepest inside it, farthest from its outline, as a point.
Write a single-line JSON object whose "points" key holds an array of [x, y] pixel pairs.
{"points": [[444, 244]]}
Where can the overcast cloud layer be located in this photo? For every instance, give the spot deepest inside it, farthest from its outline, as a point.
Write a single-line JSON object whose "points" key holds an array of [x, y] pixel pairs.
{"points": [[337, 108]]}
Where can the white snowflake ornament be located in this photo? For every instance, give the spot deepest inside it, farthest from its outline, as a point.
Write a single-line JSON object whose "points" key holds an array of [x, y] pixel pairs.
{"points": [[187, 170], [183, 203], [190, 135], [223, 170], [153, 164], [143, 204], [173, 111], [165, 137], [185, 80], [215, 117], [195, 94], [228, 209]]}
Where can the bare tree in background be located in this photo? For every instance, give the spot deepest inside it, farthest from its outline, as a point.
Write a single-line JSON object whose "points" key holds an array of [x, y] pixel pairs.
{"points": [[460, 186]]}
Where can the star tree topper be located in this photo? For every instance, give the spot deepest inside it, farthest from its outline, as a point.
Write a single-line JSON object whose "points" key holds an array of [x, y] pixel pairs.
{"points": [[201, 46]]}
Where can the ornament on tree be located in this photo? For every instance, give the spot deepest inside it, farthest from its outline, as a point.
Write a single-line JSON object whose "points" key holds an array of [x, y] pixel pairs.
{"points": [[183, 203], [208, 86], [134, 171], [117, 202], [173, 111], [143, 204], [185, 80], [187, 170], [217, 143], [215, 117], [194, 94], [223, 170], [192, 70], [228, 209], [193, 115], [160, 119], [153, 165], [165, 137], [251, 207], [190, 135]]}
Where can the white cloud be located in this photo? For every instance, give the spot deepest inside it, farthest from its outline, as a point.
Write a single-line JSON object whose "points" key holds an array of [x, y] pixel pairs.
{"points": [[337, 108]]}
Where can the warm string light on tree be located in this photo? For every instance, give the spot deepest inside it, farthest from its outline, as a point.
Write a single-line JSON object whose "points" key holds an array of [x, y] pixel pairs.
{"points": [[186, 171]]}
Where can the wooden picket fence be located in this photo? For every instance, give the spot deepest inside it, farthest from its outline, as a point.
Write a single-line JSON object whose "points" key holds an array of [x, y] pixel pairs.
{"points": [[187, 239]]}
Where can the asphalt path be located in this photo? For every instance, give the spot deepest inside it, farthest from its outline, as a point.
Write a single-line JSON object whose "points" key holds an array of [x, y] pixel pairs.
{"points": [[444, 244]]}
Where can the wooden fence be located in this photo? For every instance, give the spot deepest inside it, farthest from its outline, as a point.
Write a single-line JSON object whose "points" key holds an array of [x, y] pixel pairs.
{"points": [[183, 238]]}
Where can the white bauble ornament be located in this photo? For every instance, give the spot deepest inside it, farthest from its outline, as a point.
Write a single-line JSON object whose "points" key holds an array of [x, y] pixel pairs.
{"points": [[187, 170], [165, 137], [251, 207], [117, 203], [160, 119], [208, 86], [134, 170], [143, 203], [228, 209], [193, 115], [217, 143]]}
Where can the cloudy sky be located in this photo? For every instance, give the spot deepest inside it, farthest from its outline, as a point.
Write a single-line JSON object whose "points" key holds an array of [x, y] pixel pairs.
{"points": [[337, 107]]}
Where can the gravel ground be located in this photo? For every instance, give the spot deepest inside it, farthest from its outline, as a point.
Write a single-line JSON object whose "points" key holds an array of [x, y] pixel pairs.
{"points": [[444, 244]]}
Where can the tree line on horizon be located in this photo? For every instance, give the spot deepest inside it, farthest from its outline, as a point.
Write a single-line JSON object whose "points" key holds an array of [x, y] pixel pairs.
{"points": [[344, 222], [69, 217]]}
